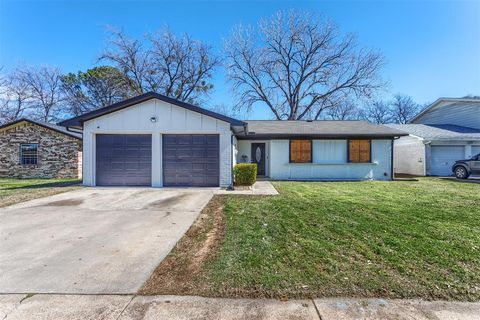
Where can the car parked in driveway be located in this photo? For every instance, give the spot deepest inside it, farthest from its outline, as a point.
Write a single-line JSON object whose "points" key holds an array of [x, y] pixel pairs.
{"points": [[464, 168]]}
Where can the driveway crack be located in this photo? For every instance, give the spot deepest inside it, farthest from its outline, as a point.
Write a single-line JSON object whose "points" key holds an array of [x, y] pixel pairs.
{"points": [[126, 306], [17, 305], [316, 309]]}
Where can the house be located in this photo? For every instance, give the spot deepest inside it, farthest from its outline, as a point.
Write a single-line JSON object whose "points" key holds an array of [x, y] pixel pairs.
{"points": [[446, 131], [154, 140], [34, 149]]}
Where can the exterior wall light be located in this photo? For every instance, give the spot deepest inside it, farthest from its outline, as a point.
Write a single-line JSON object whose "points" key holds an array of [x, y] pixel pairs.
{"points": [[153, 119]]}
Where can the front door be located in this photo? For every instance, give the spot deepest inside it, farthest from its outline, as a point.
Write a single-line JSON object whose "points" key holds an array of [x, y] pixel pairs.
{"points": [[258, 157]]}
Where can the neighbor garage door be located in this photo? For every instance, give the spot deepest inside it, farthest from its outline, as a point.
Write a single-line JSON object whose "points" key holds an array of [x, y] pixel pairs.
{"points": [[191, 160], [443, 158], [475, 150], [123, 160]]}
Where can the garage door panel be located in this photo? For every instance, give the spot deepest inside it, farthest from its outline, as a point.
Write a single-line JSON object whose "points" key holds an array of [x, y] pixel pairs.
{"points": [[475, 150], [123, 160], [443, 158], [191, 160]]}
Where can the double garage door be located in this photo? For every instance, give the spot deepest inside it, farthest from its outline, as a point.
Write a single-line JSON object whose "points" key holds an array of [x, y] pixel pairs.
{"points": [[187, 160]]}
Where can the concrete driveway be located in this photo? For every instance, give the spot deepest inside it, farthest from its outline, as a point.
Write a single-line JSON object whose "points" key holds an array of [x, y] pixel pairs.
{"points": [[93, 240]]}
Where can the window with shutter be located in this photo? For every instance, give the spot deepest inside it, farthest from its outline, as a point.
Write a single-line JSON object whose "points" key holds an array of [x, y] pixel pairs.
{"points": [[359, 151], [300, 151]]}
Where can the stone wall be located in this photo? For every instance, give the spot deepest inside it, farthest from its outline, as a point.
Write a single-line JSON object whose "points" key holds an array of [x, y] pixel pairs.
{"points": [[59, 155]]}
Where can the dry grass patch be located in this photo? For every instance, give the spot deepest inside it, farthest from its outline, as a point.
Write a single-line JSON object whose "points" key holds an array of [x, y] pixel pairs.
{"points": [[182, 272]]}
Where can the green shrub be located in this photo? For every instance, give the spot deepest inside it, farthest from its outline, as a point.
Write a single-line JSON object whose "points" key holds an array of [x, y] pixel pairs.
{"points": [[245, 174]]}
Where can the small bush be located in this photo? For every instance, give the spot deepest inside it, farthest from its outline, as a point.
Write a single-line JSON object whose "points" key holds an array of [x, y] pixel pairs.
{"points": [[245, 174]]}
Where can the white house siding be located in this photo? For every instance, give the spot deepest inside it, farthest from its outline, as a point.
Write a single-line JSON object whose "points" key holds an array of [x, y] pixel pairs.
{"points": [[465, 114], [171, 120], [409, 156], [325, 151]]}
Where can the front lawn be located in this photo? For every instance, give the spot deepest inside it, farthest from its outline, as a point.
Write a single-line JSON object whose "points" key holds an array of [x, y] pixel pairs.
{"points": [[316, 239], [18, 190]]}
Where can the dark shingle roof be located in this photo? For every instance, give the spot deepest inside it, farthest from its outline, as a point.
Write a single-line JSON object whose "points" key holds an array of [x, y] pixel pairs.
{"points": [[47, 125], [321, 128], [439, 131]]}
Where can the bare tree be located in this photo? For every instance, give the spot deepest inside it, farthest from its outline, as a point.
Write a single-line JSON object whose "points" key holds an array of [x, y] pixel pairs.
{"points": [[130, 57], [97, 87], [45, 91], [185, 64], [227, 111], [14, 97], [378, 112], [345, 110], [177, 67], [299, 65], [403, 108]]}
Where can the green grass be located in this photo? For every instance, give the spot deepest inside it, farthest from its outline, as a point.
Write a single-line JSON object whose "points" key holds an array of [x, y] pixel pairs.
{"points": [[19, 190], [383, 239]]}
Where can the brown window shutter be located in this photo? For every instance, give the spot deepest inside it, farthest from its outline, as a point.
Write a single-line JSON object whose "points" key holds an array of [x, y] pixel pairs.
{"points": [[359, 151], [354, 151], [301, 151], [364, 151]]}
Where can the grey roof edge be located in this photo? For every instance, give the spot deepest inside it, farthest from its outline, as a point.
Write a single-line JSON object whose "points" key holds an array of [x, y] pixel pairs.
{"points": [[383, 131], [439, 100], [49, 126], [418, 130], [318, 136], [78, 121]]}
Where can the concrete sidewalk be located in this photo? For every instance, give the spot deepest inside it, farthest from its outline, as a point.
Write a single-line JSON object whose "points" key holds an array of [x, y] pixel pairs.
{"points": [[123, 307]]}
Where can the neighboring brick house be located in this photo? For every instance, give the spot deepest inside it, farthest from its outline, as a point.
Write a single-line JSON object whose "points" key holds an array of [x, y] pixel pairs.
{"points": [[33, 149]]}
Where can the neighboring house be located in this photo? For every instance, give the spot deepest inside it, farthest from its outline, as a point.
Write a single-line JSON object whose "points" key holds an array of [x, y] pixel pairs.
{"points": [[446, 131], [153, 140], [33, 149]]}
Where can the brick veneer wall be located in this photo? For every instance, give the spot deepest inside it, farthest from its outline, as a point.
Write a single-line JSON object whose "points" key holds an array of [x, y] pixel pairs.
{"points": [[59, 155]]}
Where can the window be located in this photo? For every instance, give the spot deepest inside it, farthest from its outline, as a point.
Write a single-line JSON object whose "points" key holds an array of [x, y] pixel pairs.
{"points": [[28, 153], [359, 151], [300, 151]]}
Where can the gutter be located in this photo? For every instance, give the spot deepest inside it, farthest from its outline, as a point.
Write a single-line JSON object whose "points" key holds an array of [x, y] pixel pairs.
{"points": [[74, 130]]}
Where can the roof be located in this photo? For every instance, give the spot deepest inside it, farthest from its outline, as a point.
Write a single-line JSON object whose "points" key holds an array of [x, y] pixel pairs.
{"points": [[78, 121], [440, 100], [439, 131], [47, 125], [318, 129]]}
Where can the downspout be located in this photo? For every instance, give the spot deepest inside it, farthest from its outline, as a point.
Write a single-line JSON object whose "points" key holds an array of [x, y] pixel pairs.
{"points": [[427, 155], [231, 187], [245, 131], [392, 171]]}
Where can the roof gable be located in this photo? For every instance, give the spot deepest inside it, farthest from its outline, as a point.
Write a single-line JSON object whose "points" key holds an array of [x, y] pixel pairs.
{"points": [[440, 102], [78, 121], [49, 126]]}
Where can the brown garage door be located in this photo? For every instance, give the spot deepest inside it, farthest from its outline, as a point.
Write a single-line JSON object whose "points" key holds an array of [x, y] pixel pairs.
{"points": [[124, 160], [191, 160]]}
